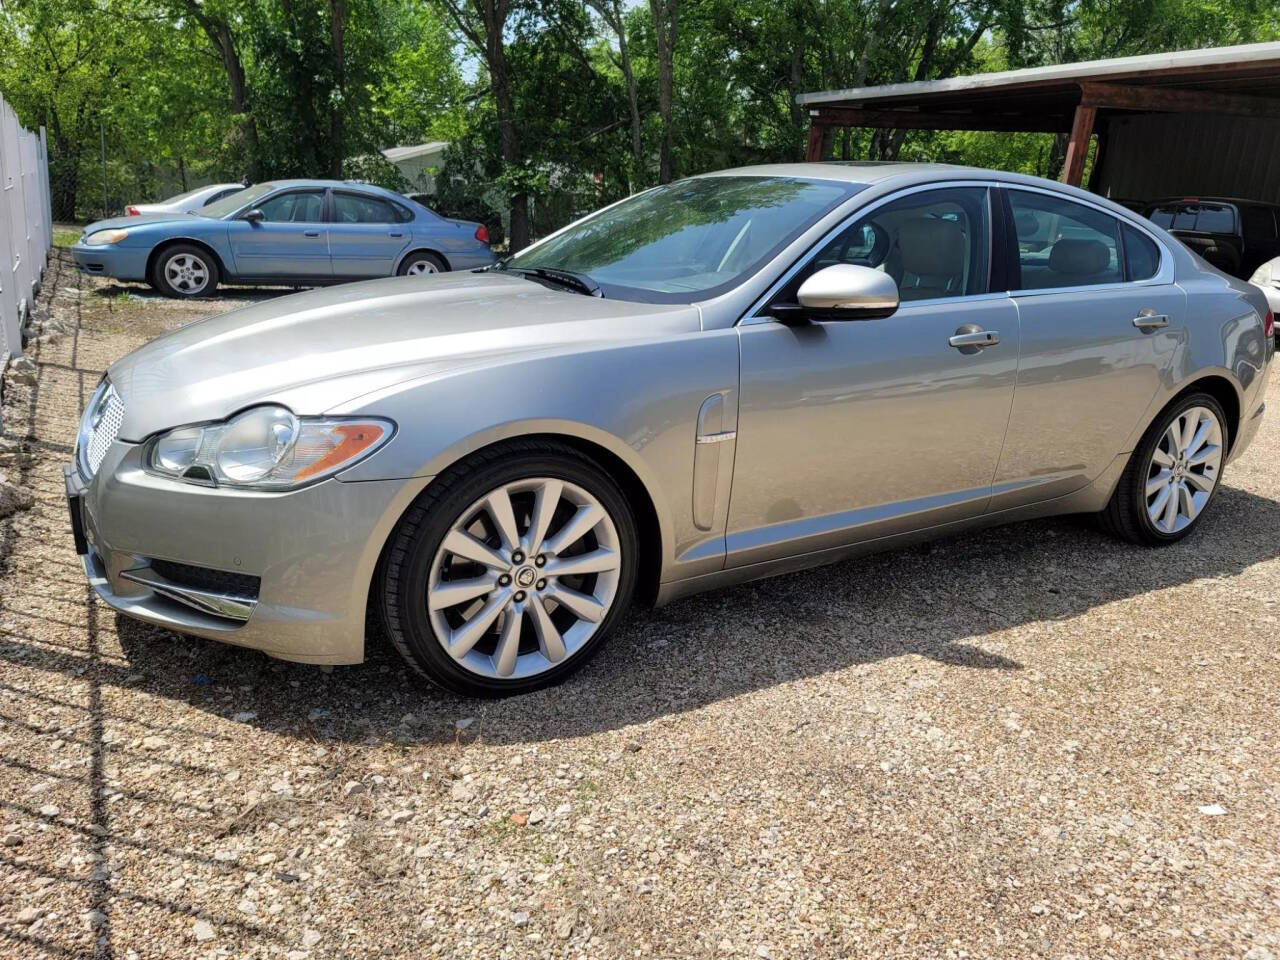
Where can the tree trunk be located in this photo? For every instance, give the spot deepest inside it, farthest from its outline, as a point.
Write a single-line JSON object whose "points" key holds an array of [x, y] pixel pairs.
{"points": [[628, 75], [665, 19], [223, 42], [508, 133], [337, 113]]}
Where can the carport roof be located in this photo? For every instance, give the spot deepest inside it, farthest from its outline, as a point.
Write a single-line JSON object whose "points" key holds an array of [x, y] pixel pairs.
{"points": [[1250, 70]]}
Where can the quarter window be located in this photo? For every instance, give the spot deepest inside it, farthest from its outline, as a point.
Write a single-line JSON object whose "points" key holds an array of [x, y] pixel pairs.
{"points": [[933, 243], [1064, 244], [297, 206], [1141, 255]]}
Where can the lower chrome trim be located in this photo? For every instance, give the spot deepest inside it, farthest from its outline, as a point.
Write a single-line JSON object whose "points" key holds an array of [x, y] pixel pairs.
{"points": [[219, 604], [717, 437]]}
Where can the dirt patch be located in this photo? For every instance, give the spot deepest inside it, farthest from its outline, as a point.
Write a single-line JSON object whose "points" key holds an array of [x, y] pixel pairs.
{"points": [[1030, 742]]}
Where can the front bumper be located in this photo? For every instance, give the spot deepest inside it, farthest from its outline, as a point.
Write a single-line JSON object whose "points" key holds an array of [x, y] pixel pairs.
{"points": [[111, 260], [312, 552]]}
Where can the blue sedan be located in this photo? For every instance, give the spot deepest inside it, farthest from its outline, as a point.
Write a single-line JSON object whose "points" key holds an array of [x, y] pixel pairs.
{"points": [[292, 232]]}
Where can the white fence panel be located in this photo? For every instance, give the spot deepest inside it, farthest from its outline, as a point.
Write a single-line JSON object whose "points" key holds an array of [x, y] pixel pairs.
{"points": [[26, 225]]}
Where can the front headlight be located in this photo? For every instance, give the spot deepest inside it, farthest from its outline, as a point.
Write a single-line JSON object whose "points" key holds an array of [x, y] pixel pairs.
{"points": [[266, 448], [99, 237]]}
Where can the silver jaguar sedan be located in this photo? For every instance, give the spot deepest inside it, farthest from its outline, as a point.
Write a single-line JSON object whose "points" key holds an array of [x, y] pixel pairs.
{"points": [[716, 380]]}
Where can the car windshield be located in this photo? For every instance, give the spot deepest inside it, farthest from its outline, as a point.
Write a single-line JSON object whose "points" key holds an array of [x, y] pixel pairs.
{"points": [[184, 196], [687, 240], [235, 201]]}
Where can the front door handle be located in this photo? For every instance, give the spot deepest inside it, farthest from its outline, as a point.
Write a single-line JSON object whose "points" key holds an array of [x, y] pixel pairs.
{"points": [[1148, 319], [311, 233], [969, 337]]}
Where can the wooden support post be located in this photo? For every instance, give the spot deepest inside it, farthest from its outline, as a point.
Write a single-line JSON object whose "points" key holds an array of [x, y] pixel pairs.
{"points": [[1078, 145], [813, 151]]}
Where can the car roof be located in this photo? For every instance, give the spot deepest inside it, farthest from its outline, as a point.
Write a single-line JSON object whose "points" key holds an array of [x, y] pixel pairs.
{"points": [[849, 171], [1233, 200], [322, 184]]}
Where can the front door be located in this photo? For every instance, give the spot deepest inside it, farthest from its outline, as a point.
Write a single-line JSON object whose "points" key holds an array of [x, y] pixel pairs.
{"points": [[366, 236], [1102, 321], [291, 241], [851, 430]]}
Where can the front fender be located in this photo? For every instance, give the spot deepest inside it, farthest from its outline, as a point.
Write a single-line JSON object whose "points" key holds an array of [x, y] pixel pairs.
{"points": [[637, 400]]}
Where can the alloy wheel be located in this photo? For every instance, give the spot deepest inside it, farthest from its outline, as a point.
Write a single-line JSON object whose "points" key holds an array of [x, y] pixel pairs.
{"points": [[419, 267], [524, 578], [186, 273], [1184, 469]]}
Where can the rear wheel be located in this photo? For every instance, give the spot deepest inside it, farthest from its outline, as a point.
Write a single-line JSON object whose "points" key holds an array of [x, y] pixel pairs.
{"points": [[185, 270], [1173, 474], [511, 570], [420, 262]]}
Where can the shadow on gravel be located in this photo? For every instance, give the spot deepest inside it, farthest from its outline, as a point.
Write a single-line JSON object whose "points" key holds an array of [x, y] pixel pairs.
{"points": [[938, 601], [115, 290]]}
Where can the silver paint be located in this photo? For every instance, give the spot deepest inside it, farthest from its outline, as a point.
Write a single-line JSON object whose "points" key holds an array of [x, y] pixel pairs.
{"points": [[830, 438]]}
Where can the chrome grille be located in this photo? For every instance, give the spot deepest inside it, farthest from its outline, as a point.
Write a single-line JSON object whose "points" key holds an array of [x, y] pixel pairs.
{"points": [[101, 427]]}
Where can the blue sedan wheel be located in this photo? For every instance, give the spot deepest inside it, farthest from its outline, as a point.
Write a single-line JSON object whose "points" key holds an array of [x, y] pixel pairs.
{"points": [[422, 262], [184, 270]]}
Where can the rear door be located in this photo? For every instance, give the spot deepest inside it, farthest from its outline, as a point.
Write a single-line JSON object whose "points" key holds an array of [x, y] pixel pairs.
{"points": [[367, 234], [1100, 319], [291, 241]]}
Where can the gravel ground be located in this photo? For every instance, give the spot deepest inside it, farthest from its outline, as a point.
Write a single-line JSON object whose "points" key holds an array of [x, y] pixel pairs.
{"points": [[1030, 742]]}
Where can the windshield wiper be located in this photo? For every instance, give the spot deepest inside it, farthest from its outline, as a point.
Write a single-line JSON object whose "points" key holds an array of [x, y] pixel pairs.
{"points": [[569, 279]]}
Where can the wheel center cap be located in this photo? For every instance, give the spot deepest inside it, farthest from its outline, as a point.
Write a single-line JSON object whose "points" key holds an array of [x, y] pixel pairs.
{"points": [[526, 576]]}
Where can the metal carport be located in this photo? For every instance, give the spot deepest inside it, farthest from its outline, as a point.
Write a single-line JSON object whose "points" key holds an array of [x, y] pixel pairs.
{"points": [[1204, 122]]}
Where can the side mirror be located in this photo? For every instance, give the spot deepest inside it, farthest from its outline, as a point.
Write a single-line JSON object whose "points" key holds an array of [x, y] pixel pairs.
{"points": [[846, 291], [253, 216]]}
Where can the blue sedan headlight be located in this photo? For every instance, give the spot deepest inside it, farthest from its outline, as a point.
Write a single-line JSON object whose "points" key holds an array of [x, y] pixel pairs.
{"points": [[100, 237]]}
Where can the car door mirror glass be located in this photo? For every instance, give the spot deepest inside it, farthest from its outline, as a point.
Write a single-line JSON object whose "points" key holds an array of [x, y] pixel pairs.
{"points": [[847, 291], [254, 216]]}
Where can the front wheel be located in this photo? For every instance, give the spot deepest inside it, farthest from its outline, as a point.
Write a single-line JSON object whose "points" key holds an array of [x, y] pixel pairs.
{"points": [[1173, 474], [184, 271], [510, 571]]}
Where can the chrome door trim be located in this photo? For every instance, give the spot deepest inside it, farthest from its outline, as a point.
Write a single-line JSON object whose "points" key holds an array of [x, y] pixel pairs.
{"points": [[753, 316], [717, 437]]}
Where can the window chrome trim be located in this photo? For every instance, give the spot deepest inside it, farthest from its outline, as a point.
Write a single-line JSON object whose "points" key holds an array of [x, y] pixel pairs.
{"points": [[1163, 277], [752, 314]]}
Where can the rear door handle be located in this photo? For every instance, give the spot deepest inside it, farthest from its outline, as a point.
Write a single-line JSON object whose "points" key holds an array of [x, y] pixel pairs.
{"points": [[1148, 319], [975, 338], [311, 233], [397, 235]]}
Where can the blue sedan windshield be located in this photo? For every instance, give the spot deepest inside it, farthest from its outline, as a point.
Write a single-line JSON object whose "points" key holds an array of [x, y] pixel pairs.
{"points": [[235, 201], [688, 240]]}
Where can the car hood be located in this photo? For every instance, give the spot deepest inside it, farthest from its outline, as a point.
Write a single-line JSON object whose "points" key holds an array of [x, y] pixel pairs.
{"points": [[318, 350], [123, 223]]}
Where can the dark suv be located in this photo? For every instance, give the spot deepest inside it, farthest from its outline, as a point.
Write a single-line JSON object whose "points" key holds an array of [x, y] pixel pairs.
{"points": [[1236, 236]]}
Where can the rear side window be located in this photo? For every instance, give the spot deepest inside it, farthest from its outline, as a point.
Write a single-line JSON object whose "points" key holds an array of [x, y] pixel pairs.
{"points": [[358, 208], [1141, 255], [1064, 244]]}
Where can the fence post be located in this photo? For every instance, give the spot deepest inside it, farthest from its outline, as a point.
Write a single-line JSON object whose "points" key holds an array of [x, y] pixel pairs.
{"points": [[102, 129]]}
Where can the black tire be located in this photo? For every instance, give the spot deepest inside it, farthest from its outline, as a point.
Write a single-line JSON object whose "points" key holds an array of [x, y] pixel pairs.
{"points": [[407, 561], [422, 257], [195, 255], [1126, 514]]}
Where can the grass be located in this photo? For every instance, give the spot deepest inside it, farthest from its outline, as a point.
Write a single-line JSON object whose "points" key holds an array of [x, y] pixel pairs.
{"points": [[65, 237]]}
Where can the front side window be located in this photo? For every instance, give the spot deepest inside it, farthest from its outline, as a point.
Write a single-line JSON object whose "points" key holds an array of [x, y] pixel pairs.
{"points": [[1064, 244], [358, 208], [687, 240], [296, 206], [933, 243]]}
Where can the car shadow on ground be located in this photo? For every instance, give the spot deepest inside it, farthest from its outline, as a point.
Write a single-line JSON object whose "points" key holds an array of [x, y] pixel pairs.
{"points": [[939, 601], [115, 290]]}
